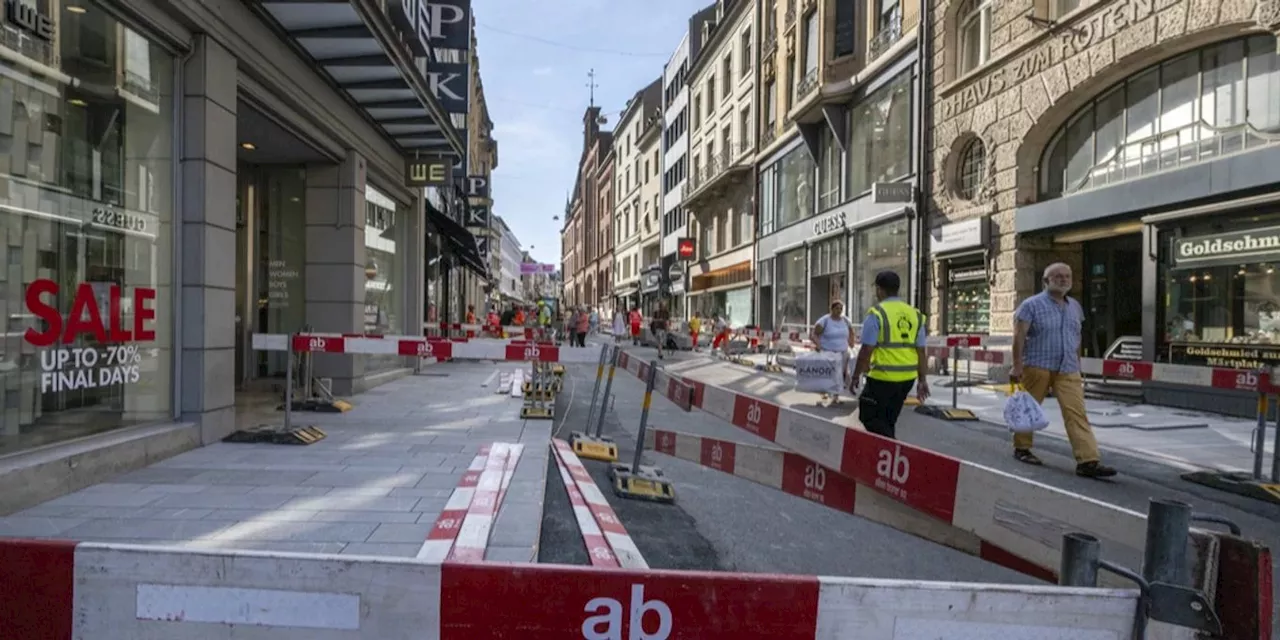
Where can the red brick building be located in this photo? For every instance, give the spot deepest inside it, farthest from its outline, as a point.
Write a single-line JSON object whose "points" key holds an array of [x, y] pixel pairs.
{"points": [[586, 239]]}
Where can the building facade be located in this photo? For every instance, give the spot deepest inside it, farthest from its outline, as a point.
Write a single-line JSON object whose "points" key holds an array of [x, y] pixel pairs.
{"points": [[836, 194], [719, 192], [648, 135], [1134, 141], [510, 288], [587, 259], [675, 151], [634, 184], [186, 178], [605, 202]]}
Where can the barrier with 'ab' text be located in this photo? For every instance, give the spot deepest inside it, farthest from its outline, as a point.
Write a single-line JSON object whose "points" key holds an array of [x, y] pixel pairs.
{"points": [[425, 347], [997, 516], [121, 592]]}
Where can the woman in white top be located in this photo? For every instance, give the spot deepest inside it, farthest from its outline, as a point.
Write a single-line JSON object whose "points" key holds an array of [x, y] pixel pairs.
{"points": [[833, 333], [619, 324]]}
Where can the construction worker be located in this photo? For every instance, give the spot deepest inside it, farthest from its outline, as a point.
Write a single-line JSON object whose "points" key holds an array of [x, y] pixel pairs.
{"points": [[471, 314], [892, 357]]}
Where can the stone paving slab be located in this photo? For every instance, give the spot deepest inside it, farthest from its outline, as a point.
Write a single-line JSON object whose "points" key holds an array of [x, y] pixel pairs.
{"points": [[373, 486]]}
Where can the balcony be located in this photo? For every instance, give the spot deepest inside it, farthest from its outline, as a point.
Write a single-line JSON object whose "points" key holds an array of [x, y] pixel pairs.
{"points": [[710, 180], [806, 85], [890, 30]]}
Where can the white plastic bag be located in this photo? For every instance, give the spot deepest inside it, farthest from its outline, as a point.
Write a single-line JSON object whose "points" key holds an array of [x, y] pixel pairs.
{"points": [[820, 372], [1023, 414]]}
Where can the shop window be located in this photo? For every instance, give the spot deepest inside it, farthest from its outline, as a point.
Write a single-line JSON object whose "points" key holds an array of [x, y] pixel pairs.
{"points": [[828, 265], [1198, 106], [791, 287], [975, 35], [1221, 287], [795, 184], [86, 210], [968, 298], [880, 136], [384, 273], [879, 248]]}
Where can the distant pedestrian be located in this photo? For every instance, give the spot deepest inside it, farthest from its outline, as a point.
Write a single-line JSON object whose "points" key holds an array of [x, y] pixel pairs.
{"points": [[619, 324], [582, 325], [695, 327], [658, 324], [833, 333], [1046, 355], [634, 319], [892, 357]]}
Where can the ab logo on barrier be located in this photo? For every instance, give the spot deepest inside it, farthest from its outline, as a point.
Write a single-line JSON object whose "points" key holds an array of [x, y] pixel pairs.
{"points": [[754, 413], [531, 352], [1248, 380], [667, 442], [1126, 370], [717, 453], [316, 344], [893, 466], [424, 349], [607, 623], [815, 478]]}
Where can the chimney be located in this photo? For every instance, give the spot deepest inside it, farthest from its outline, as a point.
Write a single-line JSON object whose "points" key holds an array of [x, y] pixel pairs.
{"points": [[590, 126]]}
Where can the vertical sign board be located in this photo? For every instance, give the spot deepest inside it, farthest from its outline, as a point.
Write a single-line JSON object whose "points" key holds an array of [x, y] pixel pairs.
{"points": [[449, 73], [414, 19]]}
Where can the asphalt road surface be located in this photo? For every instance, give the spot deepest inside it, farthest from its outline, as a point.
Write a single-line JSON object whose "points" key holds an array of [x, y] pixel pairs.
{"points": [[721, 522]]}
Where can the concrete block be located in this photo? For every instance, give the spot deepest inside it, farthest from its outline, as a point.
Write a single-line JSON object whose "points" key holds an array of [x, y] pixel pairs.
{"points": [[511, 554], [35, 527], [383, 549]]}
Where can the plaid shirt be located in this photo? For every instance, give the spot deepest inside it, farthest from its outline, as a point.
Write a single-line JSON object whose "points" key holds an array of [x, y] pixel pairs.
{"points": [[1053, 341]]}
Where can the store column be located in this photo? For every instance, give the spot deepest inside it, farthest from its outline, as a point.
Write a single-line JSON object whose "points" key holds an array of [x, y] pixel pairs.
{"points": [[207, 376], [335, 263], [415, 282]]}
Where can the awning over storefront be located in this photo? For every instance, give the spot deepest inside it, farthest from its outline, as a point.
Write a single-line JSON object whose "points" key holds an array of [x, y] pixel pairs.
{"points": [[356, 44], [457, 240]]}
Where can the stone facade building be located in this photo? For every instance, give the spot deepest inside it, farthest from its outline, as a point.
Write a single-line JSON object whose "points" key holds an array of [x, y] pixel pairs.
{"points": [[591, 254], [1124, 138]]}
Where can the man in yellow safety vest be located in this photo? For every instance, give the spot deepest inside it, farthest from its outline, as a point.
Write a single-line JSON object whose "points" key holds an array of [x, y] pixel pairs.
{"points": [[892, 357]]}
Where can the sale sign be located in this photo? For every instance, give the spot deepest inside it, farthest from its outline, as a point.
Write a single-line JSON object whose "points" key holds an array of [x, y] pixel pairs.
{"points": [[111, 356]]}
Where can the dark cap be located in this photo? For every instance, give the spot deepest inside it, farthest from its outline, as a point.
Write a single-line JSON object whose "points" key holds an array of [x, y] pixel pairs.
{"points": [[888, 281]]}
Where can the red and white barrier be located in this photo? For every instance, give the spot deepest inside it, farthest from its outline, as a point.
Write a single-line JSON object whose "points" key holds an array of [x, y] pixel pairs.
{"points": [[579, 482], [444, 532], [65, 590], [425, 348], [1019, 520], [473, 535], [599, 553]]}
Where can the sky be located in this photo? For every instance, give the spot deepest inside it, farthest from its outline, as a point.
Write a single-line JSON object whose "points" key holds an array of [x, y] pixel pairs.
{"points": [[534, 60]]}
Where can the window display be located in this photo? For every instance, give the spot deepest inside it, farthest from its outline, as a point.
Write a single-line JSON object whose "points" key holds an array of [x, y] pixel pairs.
{"points": [[828, 261], [1223, 294], [764, 275], [968, 299], [878, 248], [880, 136], [86, 178], [384, 271], [795, 187], [791, 287]]}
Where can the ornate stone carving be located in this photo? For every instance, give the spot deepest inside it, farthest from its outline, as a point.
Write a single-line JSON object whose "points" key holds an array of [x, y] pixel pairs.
{"points": [[791, 43], [767, 70], [1268, 17]]}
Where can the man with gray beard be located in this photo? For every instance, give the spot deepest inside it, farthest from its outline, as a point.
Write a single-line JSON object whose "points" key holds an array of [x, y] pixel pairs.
{"points": [[1046, 355]]}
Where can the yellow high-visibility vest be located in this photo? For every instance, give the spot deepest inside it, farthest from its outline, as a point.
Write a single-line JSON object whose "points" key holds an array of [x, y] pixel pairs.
{"points": [[895, 358]]}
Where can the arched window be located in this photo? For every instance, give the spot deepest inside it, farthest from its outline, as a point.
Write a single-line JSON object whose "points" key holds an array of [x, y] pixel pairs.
{"points": [[1198, 106], [974, 29], [972, 169]]}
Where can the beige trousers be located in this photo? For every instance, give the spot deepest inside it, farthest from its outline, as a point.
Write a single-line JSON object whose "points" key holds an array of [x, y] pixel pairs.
{"points": [[1068, 388]]}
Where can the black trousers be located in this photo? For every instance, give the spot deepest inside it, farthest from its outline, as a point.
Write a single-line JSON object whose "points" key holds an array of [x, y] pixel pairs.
{"points": [[880, 405], [582, 339]]}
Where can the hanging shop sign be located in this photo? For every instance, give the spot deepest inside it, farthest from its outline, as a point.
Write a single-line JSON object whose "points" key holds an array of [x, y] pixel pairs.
{"points": [[478, 216], [686, 248], [113, 319], [959, 236], [675, 272], [478, 187], [433, 171], [1253, 245], [651, 279], [828, 223], [413, 19]]}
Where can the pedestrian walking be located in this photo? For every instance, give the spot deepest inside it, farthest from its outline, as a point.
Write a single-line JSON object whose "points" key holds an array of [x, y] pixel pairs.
{"points": [[892, 357], [619, 324], [695, 327], [635, 320], [582, 326], [721, 341], [658, 324], [833, 333], [1046, 355]]}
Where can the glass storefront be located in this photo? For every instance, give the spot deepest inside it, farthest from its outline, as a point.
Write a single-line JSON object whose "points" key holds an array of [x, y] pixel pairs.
{"points": [[828, 263], [764, 273], [880, 136], [795, 187], [792, 287], [968, 298], [86, 207], [1221, 291], [876, 249], [272, 201], [384, 273], [734, 304]]}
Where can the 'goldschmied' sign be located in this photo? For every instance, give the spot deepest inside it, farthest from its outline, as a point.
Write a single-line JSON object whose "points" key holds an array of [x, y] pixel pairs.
{"points": [[1254, 245]]}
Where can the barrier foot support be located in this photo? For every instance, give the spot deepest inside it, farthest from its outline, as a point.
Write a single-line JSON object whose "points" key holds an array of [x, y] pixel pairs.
{"points": [[946, 413], [321, 406], [647, 483], [277, 434], [1241, 484], [602, 448]]}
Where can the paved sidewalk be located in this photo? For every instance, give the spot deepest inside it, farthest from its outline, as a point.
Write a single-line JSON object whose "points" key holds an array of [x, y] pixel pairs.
{"points": [[374, 486], [1191, 439]]}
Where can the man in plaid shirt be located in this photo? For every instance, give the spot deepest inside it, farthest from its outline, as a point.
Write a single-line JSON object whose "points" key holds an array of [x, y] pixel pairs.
{"points": [[1046, 355]]}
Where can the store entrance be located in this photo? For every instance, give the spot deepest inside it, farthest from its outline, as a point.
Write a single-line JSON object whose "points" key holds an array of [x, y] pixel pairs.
{"points": [[270, 293], [1112, 298]]}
